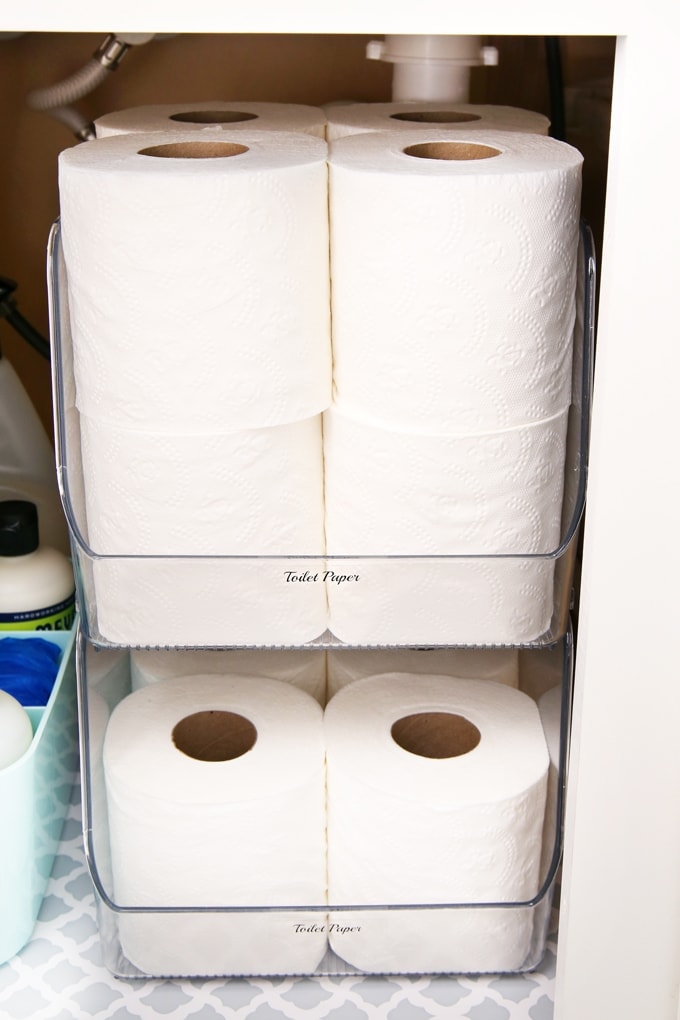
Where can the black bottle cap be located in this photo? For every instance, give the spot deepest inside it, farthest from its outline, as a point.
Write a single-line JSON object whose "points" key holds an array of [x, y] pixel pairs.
{"points": [[18, 527]]}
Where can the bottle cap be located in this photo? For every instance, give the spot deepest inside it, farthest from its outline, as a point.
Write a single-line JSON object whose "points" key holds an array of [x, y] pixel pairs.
{"points": [[18, 527]]}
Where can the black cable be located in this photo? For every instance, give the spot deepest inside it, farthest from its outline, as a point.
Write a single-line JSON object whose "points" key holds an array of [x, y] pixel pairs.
{"points": [[9, 311], [556, 87]]}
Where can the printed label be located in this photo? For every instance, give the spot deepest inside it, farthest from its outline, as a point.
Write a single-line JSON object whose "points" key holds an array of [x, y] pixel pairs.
{"points": [[334, 927], [319, 575], [58, 617]]}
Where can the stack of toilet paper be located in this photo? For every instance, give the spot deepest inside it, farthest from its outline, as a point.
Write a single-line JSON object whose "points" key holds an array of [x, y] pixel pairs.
{"points": [[216, 798], [199, 310], [453, 261], [235, 493], [334, 120], [423, 795]]}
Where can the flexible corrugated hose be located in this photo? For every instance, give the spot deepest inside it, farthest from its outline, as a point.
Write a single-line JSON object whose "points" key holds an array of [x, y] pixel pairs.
{"points": [[56, 99], [72, 88]]}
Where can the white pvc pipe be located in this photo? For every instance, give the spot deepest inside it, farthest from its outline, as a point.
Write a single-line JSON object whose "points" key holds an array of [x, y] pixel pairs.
{"points": [[434, 68], [431, 82]]}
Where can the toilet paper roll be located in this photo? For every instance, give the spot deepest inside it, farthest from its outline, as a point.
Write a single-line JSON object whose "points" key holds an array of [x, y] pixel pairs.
{"points": [[550, 707], [303, 669], [96, 711], [252, 492], [550, 710], [215, 791], [347, 665], [453, 263], [505, 600], [354, 118], [199, 116], [409, 494], [428, 497], [208, 601], [198, 279], [183, 505], [436, 795]]}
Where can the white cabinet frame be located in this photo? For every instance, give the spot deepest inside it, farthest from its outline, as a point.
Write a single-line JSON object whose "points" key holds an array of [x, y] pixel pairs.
{"points": [[619, 943]]}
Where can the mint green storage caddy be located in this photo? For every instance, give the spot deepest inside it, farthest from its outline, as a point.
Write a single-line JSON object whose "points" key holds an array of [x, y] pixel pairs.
{"points": [[35, 794]]}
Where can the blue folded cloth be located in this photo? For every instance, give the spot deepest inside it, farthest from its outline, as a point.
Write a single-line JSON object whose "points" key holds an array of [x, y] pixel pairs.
{"points": [[28, 669]]}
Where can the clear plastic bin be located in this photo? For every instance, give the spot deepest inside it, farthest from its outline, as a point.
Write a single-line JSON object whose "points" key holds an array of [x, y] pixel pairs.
{"points": [[223, 940], [35, 792], [282, 601]]}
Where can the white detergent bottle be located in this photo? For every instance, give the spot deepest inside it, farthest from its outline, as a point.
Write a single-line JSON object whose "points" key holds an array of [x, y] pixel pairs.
{"points": [[27, 463], [37, 588]]}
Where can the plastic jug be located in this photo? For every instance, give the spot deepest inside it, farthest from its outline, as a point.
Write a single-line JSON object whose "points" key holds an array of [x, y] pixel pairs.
{"points": [[27, 464]]}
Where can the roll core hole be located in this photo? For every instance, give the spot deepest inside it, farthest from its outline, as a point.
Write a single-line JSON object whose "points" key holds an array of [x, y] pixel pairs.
{"points": [[452, 150], [194, 150], [214, 735], [436, 734], [213, 117], [435, 117]]}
